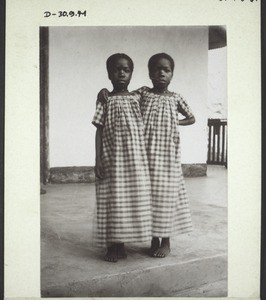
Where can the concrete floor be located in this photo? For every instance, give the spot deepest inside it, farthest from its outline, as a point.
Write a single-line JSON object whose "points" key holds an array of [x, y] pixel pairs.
{"points": [[197, 265]]}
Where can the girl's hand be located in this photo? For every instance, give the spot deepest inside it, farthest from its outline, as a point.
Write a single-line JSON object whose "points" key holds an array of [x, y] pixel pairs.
{"points": [[99, 169], [103, 95], [187, 121]]}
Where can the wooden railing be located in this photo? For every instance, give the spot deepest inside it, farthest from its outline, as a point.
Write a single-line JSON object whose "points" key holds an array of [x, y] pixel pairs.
{"points": [[217, 142]]}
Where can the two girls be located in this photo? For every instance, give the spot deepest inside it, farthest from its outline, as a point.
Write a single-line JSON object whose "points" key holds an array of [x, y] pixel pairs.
{"points": [[159, 109]]}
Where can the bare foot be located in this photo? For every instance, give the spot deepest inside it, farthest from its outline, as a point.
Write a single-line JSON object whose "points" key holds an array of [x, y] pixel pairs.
{"points": [[121, 251], [164, 250], [111, 254], [155, 244]]}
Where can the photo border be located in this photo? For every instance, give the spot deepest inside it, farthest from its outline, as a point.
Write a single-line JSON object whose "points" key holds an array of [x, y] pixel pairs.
{"points": [[247, 35]]}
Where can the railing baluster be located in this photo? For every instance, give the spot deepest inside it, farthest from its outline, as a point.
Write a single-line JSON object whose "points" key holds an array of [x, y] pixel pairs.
{"points": [[209, 145], [214, 144], [223, 143], [217, 143]]}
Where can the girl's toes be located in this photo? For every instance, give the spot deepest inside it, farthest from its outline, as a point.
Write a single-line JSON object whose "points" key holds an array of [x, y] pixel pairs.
{"points": [[111, 255], [157, 253], [162, 252], [110, 259]]}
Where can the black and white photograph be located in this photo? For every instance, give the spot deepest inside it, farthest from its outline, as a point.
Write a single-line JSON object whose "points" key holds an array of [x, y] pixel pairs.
{"points": [[132, 136], [133, 128]]}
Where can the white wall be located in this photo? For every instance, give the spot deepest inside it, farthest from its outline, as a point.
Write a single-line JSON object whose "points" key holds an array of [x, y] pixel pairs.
{"points": [[77, 72], [217, 83]]}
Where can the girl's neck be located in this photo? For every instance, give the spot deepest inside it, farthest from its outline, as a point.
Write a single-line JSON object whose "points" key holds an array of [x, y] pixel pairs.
{"points": [[120, 91], [160, 90]]}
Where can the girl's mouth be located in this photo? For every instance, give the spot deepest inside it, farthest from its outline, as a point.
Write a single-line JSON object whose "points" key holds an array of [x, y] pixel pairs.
{"points": [[161, 80]]}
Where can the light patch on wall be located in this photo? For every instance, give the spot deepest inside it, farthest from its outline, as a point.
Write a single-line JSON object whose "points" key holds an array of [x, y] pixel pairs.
{"points": [[217, 83]]}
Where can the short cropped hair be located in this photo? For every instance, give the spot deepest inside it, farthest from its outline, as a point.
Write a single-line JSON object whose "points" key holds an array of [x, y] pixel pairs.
{"points": [[154, 59], [113, 58]]}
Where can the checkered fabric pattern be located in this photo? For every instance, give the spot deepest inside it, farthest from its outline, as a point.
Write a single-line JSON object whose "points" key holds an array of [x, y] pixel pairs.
{"points": [[171, 213], [124, 195]]}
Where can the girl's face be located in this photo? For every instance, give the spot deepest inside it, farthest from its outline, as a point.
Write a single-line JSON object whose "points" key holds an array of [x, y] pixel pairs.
{"points": [[120, 75], [161, 73]]}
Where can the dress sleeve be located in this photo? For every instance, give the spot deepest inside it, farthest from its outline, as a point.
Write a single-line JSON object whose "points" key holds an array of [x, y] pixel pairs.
{"points": [[99, 116], [183, 107]]}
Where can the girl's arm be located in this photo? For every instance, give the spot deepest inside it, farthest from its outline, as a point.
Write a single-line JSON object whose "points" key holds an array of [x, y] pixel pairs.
{"points": [[98, 149], [187, 121], [185, 110]]}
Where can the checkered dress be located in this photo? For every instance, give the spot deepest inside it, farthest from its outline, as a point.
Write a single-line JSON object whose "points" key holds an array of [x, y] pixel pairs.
{"points": [[171, 213], [124, 195]]}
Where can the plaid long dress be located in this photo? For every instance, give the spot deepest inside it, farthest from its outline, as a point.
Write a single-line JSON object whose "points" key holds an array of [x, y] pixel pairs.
{"points": [[171, 213], [124, 195]]}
